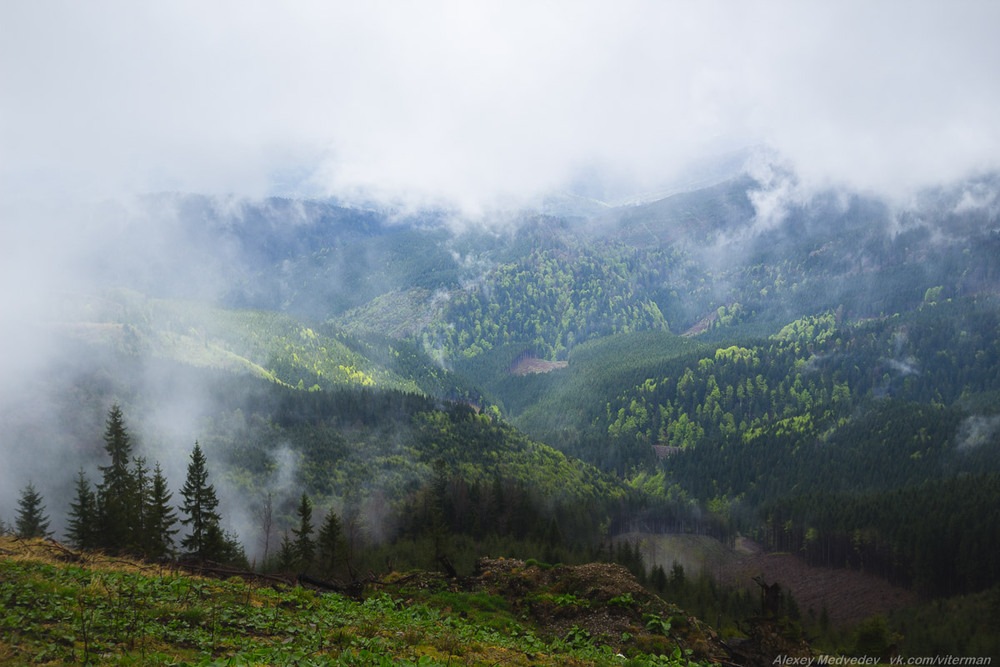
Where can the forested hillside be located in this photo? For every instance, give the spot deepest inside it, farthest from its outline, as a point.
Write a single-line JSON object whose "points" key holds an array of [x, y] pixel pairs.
{"points": [[819, 410], [823, 379]]}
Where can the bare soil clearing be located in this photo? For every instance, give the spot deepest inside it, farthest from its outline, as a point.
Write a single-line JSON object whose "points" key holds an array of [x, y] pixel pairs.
{"points": [[536, 365], [849, 596]]}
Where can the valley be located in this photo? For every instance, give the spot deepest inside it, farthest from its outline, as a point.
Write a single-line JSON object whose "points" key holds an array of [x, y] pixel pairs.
{"points": [[826, 388], [646, 334]]}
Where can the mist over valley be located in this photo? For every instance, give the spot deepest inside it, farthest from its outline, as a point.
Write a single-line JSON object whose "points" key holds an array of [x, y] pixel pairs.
{"points": [[576, 289]]}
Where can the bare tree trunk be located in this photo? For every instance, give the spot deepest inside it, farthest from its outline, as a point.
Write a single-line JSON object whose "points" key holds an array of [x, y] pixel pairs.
{"points": [[265, 517]]}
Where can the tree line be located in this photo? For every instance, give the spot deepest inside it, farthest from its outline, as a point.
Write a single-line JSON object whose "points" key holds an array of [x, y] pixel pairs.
{"points": [[940, 537], [130, 510], [497, 492]]}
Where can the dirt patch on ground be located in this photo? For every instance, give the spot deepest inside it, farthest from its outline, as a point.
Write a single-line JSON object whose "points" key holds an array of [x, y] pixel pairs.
{"points": [[849, 596], [701, 325], [536, 365], [695, 553]]}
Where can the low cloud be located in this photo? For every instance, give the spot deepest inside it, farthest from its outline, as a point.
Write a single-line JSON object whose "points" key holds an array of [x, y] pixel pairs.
{"points": [[479, 106], [487, 105], [976, 431]]}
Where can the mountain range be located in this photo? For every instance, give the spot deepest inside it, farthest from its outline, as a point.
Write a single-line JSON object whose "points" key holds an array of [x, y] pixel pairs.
{"points": [[751, 358]]}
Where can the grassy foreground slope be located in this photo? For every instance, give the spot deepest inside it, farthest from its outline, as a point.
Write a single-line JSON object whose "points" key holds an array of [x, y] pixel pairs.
{"points": [[65, 608]]}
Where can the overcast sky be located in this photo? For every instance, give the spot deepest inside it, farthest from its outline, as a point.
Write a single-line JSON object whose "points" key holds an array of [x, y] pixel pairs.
{"points": [[487, 103]]}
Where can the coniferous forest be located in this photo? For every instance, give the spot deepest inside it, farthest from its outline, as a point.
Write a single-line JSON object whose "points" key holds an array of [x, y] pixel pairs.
{"points": [[645, 334], [370, 396]]}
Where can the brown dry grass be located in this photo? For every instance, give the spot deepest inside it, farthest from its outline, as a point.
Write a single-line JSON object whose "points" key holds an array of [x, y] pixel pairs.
{"points": [[54, 553]]}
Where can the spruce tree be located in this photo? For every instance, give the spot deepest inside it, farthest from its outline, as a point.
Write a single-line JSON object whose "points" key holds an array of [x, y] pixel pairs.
{"points": [[305, 548], [160, 518], [116, 495], [82, 525], [200, 502], [286, 554], [138, 529], [330, 543], [31, 520]]}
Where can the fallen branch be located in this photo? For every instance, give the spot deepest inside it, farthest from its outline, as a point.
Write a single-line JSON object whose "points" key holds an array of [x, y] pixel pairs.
{"points": [[71, 555], [224, 571]]}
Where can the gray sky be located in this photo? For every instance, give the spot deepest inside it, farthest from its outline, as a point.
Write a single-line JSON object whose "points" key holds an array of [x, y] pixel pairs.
{"points": [[487, 103]]}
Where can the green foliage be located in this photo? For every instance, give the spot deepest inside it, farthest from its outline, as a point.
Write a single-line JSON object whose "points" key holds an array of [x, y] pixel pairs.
{"points": [[82, 518], [959, 625], [817, 406], [330, 544], [77, 615], [420, 467], [204, 541], [884, 380], [938, 536], [130, 511], [31, 520], [656, 624], [160, 518], [271, 345], [118, 494], [551, 299], [304, 545]]}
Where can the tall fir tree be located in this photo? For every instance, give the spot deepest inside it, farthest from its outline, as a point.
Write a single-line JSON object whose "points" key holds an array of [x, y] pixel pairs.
{"points": [[138, 529], [286, 554], [305, 547], [330, 543], [82, 525], [160, 518], [439, 529], [31, 520], [117, 501], [200, 503]]}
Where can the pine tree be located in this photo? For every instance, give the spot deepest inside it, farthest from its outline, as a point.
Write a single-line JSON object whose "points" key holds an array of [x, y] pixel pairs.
{"points": [[138, 529], [330, 543], [31, 520], [305, 548], [82, 530], [160, 518], [225, 547], [438, 527], [116, 495], [286, 554], [200, 502]]}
